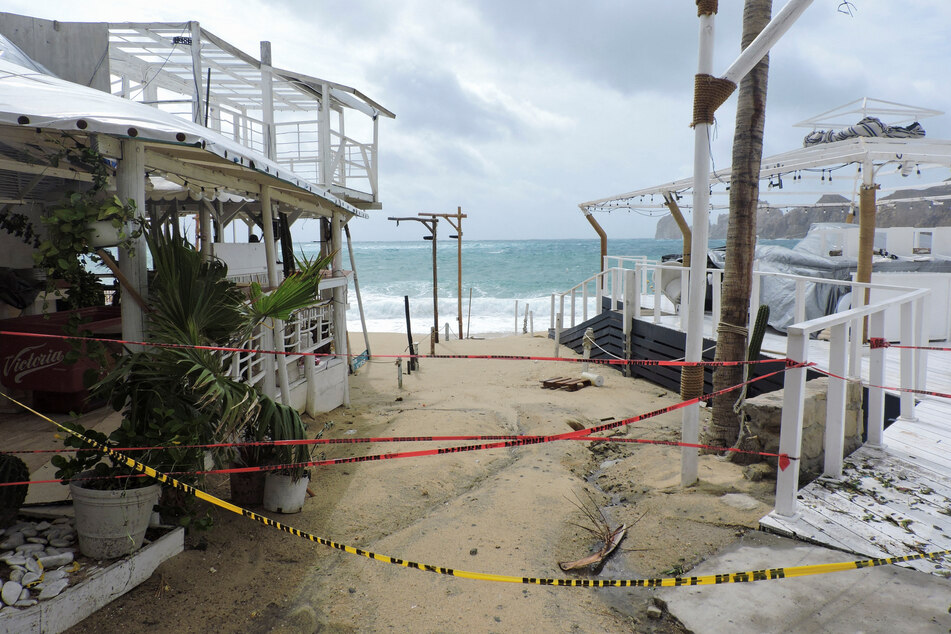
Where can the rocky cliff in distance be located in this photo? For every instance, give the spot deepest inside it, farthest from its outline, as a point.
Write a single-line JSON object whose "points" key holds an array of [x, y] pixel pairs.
{"points": [[893, 211]]}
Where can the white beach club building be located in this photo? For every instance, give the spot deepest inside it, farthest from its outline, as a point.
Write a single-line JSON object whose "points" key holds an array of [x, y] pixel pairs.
{"points": [[195, 131]]}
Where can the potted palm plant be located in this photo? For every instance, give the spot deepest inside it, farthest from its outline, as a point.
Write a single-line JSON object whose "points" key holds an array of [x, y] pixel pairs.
{"points": [[285, 488], [181, 395]]}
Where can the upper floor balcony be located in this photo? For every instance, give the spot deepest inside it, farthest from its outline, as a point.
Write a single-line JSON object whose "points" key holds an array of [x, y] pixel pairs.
{"points": [[323, 131]]}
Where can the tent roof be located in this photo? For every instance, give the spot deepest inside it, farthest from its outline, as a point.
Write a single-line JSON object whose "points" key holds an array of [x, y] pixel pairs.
{"points": [[35, 102], [878, 151]]}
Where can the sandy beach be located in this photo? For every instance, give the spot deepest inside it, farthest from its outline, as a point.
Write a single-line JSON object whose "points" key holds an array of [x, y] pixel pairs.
{"points": [[504, 511]]}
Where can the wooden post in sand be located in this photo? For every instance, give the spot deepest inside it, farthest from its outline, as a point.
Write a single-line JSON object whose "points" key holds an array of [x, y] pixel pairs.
{"points": [[455, 221]]}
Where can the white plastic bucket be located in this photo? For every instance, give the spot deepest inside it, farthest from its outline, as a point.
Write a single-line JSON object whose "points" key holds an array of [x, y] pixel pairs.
{"points": [[111, 524], [282, 494]]}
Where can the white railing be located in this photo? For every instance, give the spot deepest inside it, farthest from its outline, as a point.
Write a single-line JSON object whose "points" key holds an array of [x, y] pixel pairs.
{"points": [[353, 164], [846, 328], [845, 360], [306, 331]]}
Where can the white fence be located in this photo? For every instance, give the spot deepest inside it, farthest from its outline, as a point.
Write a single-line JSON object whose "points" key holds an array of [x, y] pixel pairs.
{"points": [[846, 353]]}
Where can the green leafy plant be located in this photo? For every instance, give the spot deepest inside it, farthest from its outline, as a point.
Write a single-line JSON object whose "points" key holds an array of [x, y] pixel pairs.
{"points": [[182, 394], [65, 254]]}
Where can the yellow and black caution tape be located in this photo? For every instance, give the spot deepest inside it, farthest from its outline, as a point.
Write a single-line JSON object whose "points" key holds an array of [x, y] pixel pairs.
{"points": [[703, 580]]}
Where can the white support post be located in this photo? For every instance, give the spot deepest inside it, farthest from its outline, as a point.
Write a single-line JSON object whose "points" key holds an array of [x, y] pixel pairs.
{"points": [[907, 362], [631, 307], [326, 153], [690, 428], [270, 363], [557, 332], [615, 287], [198, 103], [204, 223], [686, 297], [552, 312], [374, 168], [835, 403], [658, 293], [770, 34], [876, 379], [921, 339], [130, 185], [267, 219], [800, 306], [599, 296], [573, 294], [267, 102], [584, 300], [339, 298], [638, 283], [790, 434], [754, 302]]}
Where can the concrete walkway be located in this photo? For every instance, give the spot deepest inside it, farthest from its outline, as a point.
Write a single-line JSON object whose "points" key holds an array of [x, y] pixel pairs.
{"points": [[882, 599]]}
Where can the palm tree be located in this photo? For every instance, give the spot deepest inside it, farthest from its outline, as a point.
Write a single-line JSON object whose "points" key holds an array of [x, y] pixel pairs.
{"points": [[181, 394], [741, 231]]}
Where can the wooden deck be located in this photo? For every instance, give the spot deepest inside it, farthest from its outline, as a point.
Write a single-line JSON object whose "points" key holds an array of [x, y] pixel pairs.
{"points": [[889, 502]]}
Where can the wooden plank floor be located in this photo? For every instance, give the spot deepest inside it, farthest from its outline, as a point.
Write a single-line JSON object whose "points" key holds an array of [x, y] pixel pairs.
{"points": [[892, 501]]}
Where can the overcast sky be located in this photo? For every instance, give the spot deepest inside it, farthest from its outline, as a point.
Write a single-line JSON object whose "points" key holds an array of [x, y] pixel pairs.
{"points": [[518, 110]]}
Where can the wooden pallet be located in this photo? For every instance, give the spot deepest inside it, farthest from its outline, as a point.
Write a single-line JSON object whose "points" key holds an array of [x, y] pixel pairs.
{"points": [[565, 383]]}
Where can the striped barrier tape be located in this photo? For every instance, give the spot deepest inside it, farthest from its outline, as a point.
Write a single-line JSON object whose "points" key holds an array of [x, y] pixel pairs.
{"points": [[880, 342], [519, 441], [480, 357], [716, 579], [909, 390]]}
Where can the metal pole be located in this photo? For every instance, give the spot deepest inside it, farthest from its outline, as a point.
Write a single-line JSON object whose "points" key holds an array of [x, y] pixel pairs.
{"points": [[356, 287], [459, 267], [701, 209], [435, 289]]}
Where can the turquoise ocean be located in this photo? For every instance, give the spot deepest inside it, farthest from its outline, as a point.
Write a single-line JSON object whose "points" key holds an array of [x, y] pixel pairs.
{"points": [[496, 272]]}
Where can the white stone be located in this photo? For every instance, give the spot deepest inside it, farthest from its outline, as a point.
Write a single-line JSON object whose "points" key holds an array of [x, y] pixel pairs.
{"points": [[29, 548], [60, 542], [13, 541], [24, 594], [15, 560], [740, 501], [10, 592], [53, 575], [16, 574], [53, 589], [29, 531], [27, 603], [33, 565], [29, 579], [52, 561], [37, 540]]}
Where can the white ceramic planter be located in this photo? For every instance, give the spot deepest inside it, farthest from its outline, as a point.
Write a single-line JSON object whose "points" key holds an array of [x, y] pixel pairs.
{"points": [[104, 234], [283, 494], [112, 523]]}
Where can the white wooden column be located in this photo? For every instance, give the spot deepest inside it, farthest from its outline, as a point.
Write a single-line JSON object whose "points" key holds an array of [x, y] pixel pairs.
{"points": [[696, 288], [198, 103], [326, 153], [130, 185], [267, 102], [340, 300]]}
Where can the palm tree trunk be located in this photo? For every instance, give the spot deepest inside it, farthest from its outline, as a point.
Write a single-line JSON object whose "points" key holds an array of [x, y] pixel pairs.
{"points": [[741, 232]]}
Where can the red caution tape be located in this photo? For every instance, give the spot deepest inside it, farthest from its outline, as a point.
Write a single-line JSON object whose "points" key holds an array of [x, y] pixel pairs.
{"points": [[483, 357]]}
